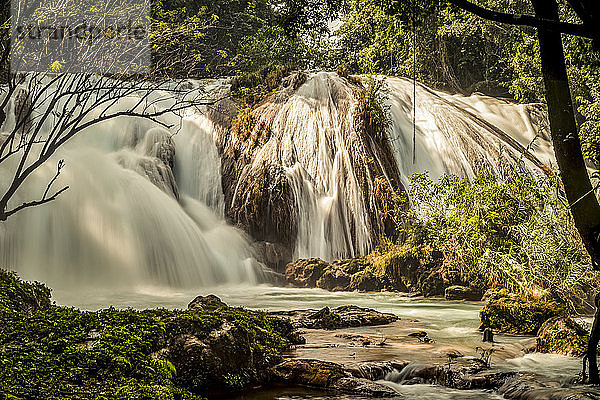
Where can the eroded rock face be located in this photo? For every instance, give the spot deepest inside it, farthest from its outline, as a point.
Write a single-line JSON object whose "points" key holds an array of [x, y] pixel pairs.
{"points": [[328, 375], [562, 335], [336, 318]]}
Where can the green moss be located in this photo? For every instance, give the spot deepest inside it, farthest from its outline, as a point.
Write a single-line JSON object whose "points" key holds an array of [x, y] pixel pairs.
{"points": [[513, 313], [20, 296], [366, 281], [243, 124], [563, 336], [60, 352]]}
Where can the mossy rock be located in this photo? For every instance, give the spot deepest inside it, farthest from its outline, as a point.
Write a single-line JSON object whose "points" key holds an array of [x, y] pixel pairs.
{"points": [[334, 279], [325, 319], [518, 314], [562, 335], [306, 272], [366, 281], [52, 352], [353, 265]]}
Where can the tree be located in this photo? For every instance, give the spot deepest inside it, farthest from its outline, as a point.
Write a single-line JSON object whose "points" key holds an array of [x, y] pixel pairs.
{"points": [[565, 138]]}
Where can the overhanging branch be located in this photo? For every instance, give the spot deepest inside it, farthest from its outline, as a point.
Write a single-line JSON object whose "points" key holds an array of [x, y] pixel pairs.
{"points": [[525, 20]]}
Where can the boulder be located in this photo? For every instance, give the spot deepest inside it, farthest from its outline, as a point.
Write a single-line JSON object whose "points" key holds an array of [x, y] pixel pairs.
{"points": [[204, 362], [206, 303], [328, 375], [562, 335], [336, 318], [457, 292], [366, 281], [305, 272], [515, 313], [334, 279]]}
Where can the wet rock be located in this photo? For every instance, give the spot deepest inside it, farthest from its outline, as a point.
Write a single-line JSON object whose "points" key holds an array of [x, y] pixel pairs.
{"points": [[457, 292], [336, 318], [334, 279], [328, 375], [513, 313], [562, 335], [206, 303], [203, 362], [305, 272], [511, 385], [529, 387], [366, 281], [274, 255], [325, 319], [418, 334]]}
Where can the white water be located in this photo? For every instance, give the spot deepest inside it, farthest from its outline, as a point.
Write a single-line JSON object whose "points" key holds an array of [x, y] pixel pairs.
{"points": [[314, 138], [125, 220], [128, 219], [451, 138]]}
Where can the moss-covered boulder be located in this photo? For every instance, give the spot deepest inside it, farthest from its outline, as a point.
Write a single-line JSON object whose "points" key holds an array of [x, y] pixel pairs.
{"points": [[306, 272], [206, 303], [334, 279], [518, 314], [562, 335], [366, 281]]}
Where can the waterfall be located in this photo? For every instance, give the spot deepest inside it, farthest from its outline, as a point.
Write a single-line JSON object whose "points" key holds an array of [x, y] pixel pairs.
{"points": [[314, 138], [143, 206], [461, 135], [147, 204]]}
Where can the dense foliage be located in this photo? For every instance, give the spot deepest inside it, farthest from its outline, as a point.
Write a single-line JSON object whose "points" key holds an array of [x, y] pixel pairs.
{"points": [[513, 232], [226, 37], [51, 352]]}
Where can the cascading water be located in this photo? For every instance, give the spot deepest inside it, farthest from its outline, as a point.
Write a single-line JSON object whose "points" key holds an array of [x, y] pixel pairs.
{"points": [[126, 218], [313, 135], [147, 205], [462, 135]]}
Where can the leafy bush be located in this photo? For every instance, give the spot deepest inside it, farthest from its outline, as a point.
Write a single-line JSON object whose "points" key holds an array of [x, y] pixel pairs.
{"points": [[514, 232], [372, 116]]}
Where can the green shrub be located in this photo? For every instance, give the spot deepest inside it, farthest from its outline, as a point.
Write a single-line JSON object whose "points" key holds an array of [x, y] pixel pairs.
{"points": [[513, 232], [371, 116]]}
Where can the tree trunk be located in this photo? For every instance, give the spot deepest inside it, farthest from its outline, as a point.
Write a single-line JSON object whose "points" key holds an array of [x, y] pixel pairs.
{"points": [[567, 147]]}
